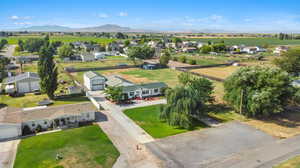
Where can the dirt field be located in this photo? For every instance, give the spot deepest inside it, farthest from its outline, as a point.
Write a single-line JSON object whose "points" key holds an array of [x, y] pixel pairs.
{"points": [[217, 72], [284, 126]]}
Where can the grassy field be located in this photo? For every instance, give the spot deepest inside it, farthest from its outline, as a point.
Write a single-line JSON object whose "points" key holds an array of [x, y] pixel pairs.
{"points": [[96, 64], [218, 72], [292, 163], [250, 41], [86, 147], [148, 119], [31, 100], [66, 39]]}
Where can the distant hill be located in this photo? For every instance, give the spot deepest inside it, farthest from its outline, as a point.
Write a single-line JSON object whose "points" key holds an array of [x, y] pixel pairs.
{"points": [[46, 28], [103, 28]]}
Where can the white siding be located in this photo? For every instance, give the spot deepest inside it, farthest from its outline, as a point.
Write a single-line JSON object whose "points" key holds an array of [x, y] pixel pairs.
{"points": [[23, 87]]}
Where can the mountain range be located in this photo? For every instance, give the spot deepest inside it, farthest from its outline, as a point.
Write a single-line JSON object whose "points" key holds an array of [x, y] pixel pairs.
{"points": [[103, 28]]}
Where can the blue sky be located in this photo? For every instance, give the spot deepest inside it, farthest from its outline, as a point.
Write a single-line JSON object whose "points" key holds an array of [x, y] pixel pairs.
{"points": [[235, 15]]}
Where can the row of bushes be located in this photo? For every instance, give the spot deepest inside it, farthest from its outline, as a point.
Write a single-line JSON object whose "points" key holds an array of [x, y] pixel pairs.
{"points": [[183, 59]]}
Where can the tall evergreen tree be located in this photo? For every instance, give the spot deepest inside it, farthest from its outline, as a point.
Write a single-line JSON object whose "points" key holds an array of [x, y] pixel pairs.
{"points": [[47, 71]]}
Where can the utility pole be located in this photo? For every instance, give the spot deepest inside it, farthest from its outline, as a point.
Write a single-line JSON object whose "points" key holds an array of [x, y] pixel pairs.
{"points": [[241, 103]]}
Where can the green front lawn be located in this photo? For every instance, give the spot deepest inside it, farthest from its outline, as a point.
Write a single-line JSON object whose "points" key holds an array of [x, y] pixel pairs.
{"points": [[169, 76], [292, 163], [148, 119], [31, 100], [85, 147]]}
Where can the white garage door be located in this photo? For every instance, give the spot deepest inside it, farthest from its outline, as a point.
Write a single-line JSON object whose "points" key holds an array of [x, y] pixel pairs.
{"points": [[97, 87], [23, 87], [9, 131], [35, 85]]}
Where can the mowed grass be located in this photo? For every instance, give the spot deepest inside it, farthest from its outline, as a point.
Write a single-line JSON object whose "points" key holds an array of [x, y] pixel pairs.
{"points": [[65, 39], [148, 119], [292, 163], [97, 64], [85, 147], [31, 100], [169, 76]]}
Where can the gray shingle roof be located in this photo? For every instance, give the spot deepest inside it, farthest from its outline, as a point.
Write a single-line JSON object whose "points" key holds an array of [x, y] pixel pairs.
{"points": [[22, 76], [145, 86], [92, 74], [117, 81]]}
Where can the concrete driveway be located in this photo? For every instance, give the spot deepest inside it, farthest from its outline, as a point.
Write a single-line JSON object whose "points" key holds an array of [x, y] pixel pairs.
{"points": [[203, 148], [8, 151]]}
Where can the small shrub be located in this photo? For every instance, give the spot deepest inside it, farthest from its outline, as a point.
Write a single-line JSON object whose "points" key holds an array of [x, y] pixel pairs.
{"points": [[174, 58], [192, 62], [182, 59], [26, 130]]}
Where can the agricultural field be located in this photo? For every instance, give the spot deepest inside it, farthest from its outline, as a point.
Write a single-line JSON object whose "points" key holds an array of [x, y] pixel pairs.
{"points": [[65, 39], [148, 119], [249, 41], [86, 147]]}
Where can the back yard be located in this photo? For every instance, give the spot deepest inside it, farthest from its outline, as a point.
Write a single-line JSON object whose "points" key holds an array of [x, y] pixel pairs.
{"points": [[86, 147], [97, 64], [217, 72]]}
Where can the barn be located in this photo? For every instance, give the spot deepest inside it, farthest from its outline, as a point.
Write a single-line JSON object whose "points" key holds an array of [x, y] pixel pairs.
{"points": [[24, 83]]}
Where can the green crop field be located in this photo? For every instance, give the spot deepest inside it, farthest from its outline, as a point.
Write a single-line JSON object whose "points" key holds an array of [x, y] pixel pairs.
{"points": [[65, 39], [249, 41]]}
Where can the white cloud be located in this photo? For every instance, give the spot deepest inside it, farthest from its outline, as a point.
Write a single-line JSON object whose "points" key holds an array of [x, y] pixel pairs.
{"points": [[103, 15], [122, 14], [22, 23], [14, 17]]}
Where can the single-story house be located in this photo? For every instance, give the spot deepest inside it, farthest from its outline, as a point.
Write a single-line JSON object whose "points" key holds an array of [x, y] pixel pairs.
{"points": [[189, 49], [94, 81], [24, 83], [150, 66], [116, 81], [74, 90], [144, 90], [15, 122], [280, 49], [86, 57]]}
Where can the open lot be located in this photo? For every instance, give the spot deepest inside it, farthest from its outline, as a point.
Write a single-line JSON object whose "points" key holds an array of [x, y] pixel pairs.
{"points": [[148, 119], [209, 146], [86, 147], [217, 72], [292, 163], [97, 64]]}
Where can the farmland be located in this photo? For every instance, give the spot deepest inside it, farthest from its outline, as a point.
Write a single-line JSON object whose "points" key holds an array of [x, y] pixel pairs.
{"points": [[249, 41], [66, 39], [217, 72]]}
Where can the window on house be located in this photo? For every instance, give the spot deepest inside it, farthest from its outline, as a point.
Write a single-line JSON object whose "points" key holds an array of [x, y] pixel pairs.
{"points": [[45, 123], [131, 93], [156, 90], [145, 92], [33, 124]]}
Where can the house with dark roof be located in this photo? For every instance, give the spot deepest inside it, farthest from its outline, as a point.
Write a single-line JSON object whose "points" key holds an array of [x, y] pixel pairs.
{"points": [[23, 83], [94, 81], [144, 90]]}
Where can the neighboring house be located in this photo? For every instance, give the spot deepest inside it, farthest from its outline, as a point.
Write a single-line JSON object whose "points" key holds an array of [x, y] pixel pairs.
{"points": [[26, 59], [253, 50], [116, 81], [144, 90], [189, 49], [150, 66], [74, 90], [279, 50], [94, 81], [86, 57], [14, 120], [24, 83]]}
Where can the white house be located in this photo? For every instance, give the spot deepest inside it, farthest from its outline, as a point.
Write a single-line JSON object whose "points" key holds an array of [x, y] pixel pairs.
{"points": [[253, 50], [144, 90], [94, 81], [23, 83], [15, 122], [100, 55], [280, 49], [86, 57]]}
